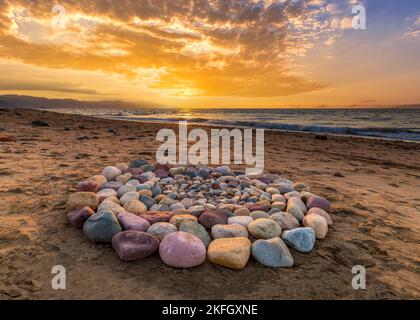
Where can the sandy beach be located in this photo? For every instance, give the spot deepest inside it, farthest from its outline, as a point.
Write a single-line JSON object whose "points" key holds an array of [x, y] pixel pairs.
{"points": [[373, 185]]}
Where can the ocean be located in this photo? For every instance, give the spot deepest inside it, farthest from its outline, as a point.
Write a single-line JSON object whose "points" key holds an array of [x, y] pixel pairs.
{"points": [[399, 124]]}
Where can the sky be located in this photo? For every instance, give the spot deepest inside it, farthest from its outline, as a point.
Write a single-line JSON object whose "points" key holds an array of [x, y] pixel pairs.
{"points": [[212, 53]]}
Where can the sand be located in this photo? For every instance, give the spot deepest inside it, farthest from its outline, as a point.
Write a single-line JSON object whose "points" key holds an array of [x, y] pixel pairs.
{"points": [[374, 186]]}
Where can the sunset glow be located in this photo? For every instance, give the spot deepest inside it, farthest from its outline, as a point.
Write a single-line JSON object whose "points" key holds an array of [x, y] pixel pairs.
{"points": [[284, 53]]}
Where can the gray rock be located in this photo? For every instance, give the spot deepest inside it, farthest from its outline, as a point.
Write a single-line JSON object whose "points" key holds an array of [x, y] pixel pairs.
{"points": [[286, 220], [241, 220], [197, 230], [300, 239], [272, 253], [101, 227]]}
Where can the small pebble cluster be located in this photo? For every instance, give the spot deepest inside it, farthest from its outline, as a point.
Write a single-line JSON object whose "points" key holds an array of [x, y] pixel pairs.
{"points": [[188, 214]]}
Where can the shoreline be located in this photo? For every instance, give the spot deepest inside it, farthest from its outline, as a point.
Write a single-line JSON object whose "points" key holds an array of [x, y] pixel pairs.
{"points": [[212, 125], [372, 185]]}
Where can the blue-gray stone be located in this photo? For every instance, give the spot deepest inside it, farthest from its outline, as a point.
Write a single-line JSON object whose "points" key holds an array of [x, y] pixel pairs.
{"points": [[156, 190], [101, 227], [273, 211], [138, 163], [204, 173], [160, 207], [272, 253], [148, 201], [147, 168], [172, 195], [143, 186], [252, 199], [197, 230], [300, 239]]}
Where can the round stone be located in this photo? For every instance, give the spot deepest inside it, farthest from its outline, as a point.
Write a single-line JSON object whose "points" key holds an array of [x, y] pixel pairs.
{"points": [[99, 179], [295, 201], [156, 216], [264, 229], [125, 189], [77, 217], [259, 207], [82, 199], [210, 218], [106, 193], [197, 230], [135, 206], [110, 206], [259, 214], [306, 195], [228, 231], [112, 199], [230, 252], [272, 253], [101, 227], [161, 173], [138, 163], [132, 195], [299, 186], [182, 250], [318, 202], [111, 172], [278, 205], [241, 220], [123, 167], [147, 200], [124, 178], [242, 212], [161, 229], [293, 194], [187, 203], [87, 186], [300, 239], [130, 221], [278, 198], [176, 220], [134, 245], [196, 210], [287, 221], [295, 209], [321, 213], [112, 185], [318, 223]]}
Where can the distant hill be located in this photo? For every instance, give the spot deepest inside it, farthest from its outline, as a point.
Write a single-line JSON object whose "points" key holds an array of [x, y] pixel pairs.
{"points": [[17, 101]]}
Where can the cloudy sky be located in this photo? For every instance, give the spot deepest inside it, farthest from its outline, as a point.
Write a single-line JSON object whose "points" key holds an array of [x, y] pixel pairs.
{"points": [[212, 53]]}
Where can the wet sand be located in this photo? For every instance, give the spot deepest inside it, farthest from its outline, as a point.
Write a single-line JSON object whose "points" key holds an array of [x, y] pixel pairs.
{"points": [[374, 187]]}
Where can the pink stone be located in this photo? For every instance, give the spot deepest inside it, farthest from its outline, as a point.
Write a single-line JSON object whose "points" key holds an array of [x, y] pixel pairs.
{"points": [[321, 213], [318, 202], [182, 250], [134, 245], [265, 180], [160, 173], [162, 166], [156, 216], [87, 186], [210, 218], [130, 221], [115, 185], [135, 171], [78, 216], [259, 207]]}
